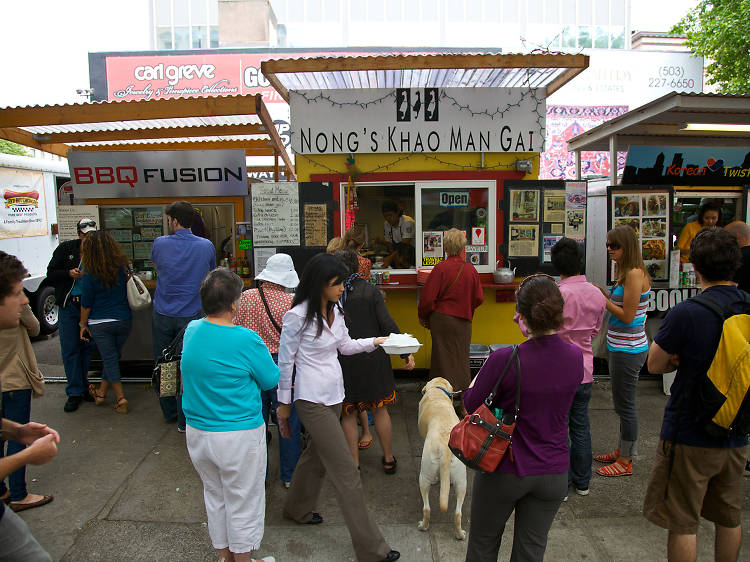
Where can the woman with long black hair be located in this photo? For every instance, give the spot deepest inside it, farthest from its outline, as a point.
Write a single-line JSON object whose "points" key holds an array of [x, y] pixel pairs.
{"points": [[312, 335]]}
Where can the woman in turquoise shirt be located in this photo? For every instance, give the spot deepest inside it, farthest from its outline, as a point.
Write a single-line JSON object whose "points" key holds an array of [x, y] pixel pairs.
{"points": [[224, 369], [627, 344]]}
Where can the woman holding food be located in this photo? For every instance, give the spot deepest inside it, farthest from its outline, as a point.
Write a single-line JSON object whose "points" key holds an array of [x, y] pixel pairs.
{"points": [[709, 216], [446, 306], [368, 377], [627, 344], [312, 336]]}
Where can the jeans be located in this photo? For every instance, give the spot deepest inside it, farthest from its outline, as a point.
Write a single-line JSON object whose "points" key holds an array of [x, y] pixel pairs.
{"points": [[17, 408], [76, 353], [17, 542], [109, 338], [164, 330], [579, 431], [624, 369], [289, 449]]}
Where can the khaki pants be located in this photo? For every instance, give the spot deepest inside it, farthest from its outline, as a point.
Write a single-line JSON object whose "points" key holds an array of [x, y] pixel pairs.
{"points": [[328, 453]]}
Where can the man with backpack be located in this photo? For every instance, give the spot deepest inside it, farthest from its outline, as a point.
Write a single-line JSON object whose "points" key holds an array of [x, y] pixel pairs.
{"points": [[699, 462]]}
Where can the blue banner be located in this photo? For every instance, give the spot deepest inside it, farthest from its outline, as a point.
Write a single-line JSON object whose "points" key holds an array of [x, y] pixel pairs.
{"points": [[687, 165]]}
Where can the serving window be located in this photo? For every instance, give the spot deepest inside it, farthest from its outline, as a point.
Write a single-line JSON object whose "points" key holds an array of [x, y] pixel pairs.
{"points": [[412, 237]]}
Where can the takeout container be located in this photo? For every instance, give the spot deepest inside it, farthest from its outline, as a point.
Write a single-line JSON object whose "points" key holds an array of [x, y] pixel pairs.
{"points": [[400, 349]]}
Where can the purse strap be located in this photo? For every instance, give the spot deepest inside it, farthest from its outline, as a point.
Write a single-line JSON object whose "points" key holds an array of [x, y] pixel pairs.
{"points": [[491, 396], [460, 271], [169, 352], [268, 310]]}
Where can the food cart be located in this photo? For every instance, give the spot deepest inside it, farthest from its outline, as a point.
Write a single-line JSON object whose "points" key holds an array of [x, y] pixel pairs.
{"points": [[682, 151], [129, 160], [447, 141]]}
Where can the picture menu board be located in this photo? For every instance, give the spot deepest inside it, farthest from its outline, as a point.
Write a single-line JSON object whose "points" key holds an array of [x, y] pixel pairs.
{"points": [[537, 215], [646, 211]]}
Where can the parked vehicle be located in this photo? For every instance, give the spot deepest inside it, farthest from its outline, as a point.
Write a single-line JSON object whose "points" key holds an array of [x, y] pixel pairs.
{"points": [[28, 211]]}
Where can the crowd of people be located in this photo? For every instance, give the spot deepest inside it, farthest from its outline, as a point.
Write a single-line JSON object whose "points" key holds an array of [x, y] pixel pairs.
{"points": [[312, 358]]}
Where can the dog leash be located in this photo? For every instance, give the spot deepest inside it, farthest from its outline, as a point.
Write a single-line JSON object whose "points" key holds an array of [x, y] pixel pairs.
{"points": [[450, 395]]}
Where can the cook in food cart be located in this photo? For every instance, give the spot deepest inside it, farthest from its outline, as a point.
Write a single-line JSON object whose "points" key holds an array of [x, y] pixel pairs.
{"points": [[398, 232], [708, 217]]}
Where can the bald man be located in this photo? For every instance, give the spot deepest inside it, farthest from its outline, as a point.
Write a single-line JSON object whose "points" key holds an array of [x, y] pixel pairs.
{"points": [[742, 232]]}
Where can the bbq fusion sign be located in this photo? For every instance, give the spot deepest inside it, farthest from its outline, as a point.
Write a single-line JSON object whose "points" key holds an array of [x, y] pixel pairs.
{"points": [[23, 210], [159, 173], [406, 120]]}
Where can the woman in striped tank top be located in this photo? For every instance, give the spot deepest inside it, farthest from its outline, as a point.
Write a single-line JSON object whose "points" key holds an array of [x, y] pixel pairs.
{"points": [[627, 344]]}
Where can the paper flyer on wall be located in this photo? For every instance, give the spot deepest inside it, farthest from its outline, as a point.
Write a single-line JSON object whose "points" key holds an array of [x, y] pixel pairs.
{"points": [[575, 195], [547, 243], [523, 240], [524, 205], [554, 205], [575, 224], [261, 256], [432, 250]]}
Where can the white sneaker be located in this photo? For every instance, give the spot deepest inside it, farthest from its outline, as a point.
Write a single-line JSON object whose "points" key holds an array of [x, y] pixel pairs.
{"points": [[584, 492], [565, 498], [266, 559]]}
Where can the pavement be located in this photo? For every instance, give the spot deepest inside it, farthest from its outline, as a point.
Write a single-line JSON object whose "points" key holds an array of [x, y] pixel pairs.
{"points": [[125, 490]]}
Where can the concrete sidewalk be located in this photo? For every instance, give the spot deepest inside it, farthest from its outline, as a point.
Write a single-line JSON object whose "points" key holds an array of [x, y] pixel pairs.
{"points": [[125, 489]]}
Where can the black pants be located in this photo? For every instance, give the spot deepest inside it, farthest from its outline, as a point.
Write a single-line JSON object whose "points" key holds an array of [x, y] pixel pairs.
{"points": [[536, 500]]}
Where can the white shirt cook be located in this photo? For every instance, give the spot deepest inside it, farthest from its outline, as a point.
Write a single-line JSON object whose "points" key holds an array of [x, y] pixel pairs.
{"points": [[318, 378], [406, 229]]}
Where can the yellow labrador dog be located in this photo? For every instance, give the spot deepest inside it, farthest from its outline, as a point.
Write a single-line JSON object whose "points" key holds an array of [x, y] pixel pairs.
{"points": [[436, 419]]}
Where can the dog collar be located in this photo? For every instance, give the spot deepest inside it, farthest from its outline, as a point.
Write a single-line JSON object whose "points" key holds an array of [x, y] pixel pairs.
{"points": [[448, 394]]}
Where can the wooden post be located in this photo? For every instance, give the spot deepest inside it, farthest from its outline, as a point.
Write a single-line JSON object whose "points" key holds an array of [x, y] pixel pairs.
{"points": [[275, 165]]}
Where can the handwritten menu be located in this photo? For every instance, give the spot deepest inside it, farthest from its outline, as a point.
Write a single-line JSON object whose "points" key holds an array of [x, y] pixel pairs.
{"points": [[276, 214], [68, 217], [316, 225]]}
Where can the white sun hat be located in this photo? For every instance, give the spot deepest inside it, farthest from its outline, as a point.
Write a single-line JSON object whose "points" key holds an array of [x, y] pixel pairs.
{"points": [[280, 270]]}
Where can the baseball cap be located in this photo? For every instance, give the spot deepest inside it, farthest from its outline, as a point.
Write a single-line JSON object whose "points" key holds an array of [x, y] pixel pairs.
{"points": [[86, 225]]}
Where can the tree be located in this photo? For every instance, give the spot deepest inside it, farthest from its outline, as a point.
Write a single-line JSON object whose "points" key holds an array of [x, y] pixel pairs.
{"points": [[7, 147], [719, 30]]}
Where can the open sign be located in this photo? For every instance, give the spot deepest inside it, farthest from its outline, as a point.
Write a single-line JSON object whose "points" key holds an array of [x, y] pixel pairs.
{"points": [[454, 198]]}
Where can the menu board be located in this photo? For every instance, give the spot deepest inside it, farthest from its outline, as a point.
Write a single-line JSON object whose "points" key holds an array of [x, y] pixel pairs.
{"points": [[68, 217], [316, 224], [276, 214], [645, 211]]}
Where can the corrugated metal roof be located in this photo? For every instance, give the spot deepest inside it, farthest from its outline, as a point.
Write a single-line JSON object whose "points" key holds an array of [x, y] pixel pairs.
{"points": [[444, 70]]}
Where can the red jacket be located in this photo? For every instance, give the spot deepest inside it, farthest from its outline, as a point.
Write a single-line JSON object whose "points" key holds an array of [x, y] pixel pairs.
{"points": [[459, 300]]}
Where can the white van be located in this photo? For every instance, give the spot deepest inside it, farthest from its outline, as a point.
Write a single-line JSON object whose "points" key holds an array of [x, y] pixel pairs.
{"points": [[28, 210]]}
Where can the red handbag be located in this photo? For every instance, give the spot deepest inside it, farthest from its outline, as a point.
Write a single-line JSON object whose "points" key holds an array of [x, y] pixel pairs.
{"points": [[480, 440]]}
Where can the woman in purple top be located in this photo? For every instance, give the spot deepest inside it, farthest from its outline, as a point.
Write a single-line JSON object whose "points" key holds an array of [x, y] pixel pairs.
{"points": [[533, 480]]}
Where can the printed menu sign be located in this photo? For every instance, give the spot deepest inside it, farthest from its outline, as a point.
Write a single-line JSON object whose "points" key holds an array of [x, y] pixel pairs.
{"points": [[316, 225], [276, 214]]}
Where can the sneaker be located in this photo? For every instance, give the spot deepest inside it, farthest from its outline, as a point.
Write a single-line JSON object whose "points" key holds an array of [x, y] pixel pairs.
{"points": [[286, 485], [565, 498], [73, 403], [582, 491], [180, 430]]}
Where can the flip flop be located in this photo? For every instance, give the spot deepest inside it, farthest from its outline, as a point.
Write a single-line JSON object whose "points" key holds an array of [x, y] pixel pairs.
{"points": [[18, 506], [365, 444]]}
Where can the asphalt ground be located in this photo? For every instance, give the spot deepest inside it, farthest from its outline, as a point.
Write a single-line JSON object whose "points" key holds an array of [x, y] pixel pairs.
{"points": [[125, 489]]}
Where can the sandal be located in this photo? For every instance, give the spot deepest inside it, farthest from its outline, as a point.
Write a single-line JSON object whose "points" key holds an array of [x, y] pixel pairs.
{"points": [[365, 443], [390, 466], [98, 398], [121, 406], [617, 468], [607, 458]]}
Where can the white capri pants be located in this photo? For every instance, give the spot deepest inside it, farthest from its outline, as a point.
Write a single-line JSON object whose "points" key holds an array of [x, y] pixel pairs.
{"points": [[232, 466]]}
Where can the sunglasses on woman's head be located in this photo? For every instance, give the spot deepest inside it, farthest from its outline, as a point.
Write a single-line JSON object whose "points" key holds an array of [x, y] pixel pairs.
{"points": [[613, 246], [85, 224]]}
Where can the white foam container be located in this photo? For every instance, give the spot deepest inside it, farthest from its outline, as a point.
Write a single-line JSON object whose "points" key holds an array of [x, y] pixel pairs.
{"points": [[400, 349]]}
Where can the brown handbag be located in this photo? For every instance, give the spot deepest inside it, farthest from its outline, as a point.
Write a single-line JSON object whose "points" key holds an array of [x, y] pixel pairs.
{"points": [[480, 440]]}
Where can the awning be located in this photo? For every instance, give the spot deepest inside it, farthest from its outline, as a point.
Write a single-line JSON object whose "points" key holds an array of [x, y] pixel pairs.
{"points": [[445, 70], [664, 122], [167, 124]]}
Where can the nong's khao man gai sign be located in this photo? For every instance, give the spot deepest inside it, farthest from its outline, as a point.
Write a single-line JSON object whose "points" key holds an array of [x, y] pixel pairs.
{"points": [[407, 120], [158, 173]]}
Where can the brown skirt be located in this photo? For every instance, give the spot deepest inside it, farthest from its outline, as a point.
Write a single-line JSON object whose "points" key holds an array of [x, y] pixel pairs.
{"points": [[451, 338]]}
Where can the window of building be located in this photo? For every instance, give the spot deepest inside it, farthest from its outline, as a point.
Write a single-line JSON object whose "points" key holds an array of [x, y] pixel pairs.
{"points": [[510, 11], [279, 8], [200, 38], [180, 12], [491, 10], [163, 12], [454, 10], [181, 38], [375, 10], [617, 38], [601, 38], [585, 12], [535, 11], [584, 36], [393, 10], [617, 9], [569, 12], [474, 10], [552, 14], [331, 10], [411, 10], [429, 10], [214, 31], [163, 37], [357, 10], [314, 10], [296, 10], [601, 17], [186, 24]]}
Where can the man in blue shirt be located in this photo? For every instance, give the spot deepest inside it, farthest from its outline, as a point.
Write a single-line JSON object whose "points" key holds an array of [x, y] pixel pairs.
{"points": [[182, 260], [705, 479]]}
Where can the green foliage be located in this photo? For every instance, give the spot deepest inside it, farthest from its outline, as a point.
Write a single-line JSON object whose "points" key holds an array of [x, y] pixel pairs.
{"points": [[7, 147], [719, 30]]}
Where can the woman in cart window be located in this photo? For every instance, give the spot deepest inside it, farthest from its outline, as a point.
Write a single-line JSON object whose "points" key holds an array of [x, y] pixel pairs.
{"points": [[446, 306], [709, 216], [627, 344], [312, 336], [105, 312]]}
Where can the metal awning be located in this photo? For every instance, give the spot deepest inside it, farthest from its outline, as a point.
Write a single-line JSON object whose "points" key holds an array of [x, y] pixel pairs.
{"points": [[662, 121], [167, 124], [445, 70]]}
